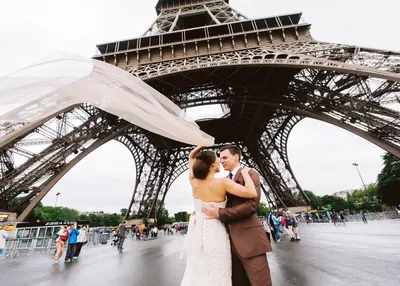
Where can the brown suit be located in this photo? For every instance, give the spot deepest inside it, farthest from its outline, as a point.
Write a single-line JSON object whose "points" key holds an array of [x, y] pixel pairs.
{"points": [[249, 242]]}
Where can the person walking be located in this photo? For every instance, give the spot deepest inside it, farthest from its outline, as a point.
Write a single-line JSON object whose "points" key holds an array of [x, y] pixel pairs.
{"points": [[289, 223], [342, 218], [61, 239], [271, 224], [296, 228], [82, 239], [72, 239], [362, 215], [267, 229], [121, 234], [276, 222], [3, 237]]}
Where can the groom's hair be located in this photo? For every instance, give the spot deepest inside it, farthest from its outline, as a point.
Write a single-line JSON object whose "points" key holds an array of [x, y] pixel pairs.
{"points": [[234, 150]]}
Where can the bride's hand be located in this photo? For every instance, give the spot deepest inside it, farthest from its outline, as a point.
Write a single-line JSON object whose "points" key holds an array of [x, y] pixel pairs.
{"points": [[245, 170]]}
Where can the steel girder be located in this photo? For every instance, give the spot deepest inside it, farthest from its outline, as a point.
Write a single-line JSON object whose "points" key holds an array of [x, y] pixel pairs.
{"points": [[219, 12], [351, 87], [156, 170], [33, 173]]}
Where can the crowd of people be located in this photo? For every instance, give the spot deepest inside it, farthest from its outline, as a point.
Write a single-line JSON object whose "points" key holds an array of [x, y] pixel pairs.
{"points": [[75, 237], [283, 222]]}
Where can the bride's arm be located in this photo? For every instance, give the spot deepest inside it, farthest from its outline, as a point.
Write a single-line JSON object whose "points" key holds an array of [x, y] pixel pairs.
{"points": [[244, 210], [192, 159], [247, 191]]}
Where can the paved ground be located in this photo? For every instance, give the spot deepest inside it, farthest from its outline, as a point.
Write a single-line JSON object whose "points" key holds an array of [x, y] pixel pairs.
{"points": [[355, 254]]}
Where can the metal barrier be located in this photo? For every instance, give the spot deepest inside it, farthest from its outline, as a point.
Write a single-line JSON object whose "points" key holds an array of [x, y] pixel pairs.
{"points": [[28, 246], [42, 245], [374, 216], [371, 216]]}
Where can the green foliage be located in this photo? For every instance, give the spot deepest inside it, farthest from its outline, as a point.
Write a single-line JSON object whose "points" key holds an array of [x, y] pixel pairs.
{"points": [[123, 212], [315, 201], [163, 217], [365, 199], [389, 180], [182, 216], [102, 219], [390, 171], [47, 213], [337, 203], [145, 221], [263, 210]]}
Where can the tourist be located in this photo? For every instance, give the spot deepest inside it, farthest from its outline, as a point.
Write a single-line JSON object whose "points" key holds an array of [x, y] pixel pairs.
{"points": [[267, 228], [271, 224], [276, 222], [296, 228], [362, 215], [121, 235], [62, 236], [341, 218], [82, 239], [3, 237], [72, 239], [289, 223]]}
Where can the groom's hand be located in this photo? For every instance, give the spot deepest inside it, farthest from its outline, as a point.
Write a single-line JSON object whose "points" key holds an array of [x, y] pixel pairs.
{"points": [[211, 212]]}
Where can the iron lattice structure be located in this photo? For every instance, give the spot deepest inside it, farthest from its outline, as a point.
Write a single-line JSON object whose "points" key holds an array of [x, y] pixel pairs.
{"points": [[267, 74]]}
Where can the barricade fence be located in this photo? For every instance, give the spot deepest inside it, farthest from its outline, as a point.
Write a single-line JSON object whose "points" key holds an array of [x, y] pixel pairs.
{"points": [[43, 245], [371, 216]]}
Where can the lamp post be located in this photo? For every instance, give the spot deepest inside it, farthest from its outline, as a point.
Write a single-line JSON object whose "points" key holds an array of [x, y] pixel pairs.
{"points": [[356, 165], [55, 205]]}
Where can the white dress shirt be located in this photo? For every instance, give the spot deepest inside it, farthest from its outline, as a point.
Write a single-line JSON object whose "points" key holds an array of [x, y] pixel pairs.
{"points": [[234, 172]]}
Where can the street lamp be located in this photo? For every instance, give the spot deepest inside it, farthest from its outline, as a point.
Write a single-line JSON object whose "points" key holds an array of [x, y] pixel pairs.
{"points": [[55, 205], [356, 165]]}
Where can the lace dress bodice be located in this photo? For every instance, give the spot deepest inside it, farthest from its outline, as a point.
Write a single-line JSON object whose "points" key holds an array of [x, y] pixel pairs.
{"points": [[208, 250], [199, 204]]}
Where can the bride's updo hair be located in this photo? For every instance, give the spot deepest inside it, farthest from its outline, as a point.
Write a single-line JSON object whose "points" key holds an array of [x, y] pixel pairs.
{"points": [[201, 167]]}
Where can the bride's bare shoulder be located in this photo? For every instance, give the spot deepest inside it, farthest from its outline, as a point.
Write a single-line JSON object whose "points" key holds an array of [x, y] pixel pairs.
{"points": [[220, 181]]}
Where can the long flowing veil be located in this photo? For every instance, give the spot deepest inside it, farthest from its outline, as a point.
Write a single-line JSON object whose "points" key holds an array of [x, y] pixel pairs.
{"points": [[45, 89]]}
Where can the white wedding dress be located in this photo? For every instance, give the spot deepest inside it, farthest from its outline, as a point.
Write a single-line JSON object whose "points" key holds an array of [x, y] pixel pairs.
{"points": [[208, 250]]}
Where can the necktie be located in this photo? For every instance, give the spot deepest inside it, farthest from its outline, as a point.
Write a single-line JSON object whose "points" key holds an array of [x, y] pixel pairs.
{"points": [[230, 176]]}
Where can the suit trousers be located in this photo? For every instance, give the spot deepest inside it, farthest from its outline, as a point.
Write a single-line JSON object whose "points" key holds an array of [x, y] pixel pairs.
{"points": [[253, 271]]}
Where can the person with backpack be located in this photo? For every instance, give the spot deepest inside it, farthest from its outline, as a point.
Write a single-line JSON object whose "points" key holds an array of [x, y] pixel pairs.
{"points": [[289, 222], [62, 236], [271, 225]]}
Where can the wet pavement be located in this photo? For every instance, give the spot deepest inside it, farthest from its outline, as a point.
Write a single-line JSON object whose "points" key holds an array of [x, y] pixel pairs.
{"points": [[356, 254]]}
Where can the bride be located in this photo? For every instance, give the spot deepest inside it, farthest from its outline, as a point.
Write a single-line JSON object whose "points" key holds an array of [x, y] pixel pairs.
{"points": [[207, 243]]}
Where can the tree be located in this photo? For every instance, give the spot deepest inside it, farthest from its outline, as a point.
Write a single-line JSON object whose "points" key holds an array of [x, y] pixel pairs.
{"points": [[351, 202], [123, 212], [389, 180], [366, 199], [337, 203], [263, 210], [315, 201], [163, 217], [182, 216]]}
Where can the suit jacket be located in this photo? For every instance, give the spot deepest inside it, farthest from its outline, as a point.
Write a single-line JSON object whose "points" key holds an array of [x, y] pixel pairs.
{"points": [[244, 227]]}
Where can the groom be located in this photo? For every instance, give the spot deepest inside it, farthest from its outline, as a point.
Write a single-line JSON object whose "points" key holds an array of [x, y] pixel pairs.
{"points": [[249, 243]]}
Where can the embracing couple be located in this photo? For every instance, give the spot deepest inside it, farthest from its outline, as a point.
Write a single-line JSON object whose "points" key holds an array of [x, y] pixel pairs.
{"points": [[226, 243]]}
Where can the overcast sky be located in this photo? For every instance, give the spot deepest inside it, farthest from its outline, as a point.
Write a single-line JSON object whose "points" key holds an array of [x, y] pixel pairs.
{"points": [[321, 155]]}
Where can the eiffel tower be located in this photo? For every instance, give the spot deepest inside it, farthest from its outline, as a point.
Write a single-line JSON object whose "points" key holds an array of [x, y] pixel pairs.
{"points": [[265, 75]]}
